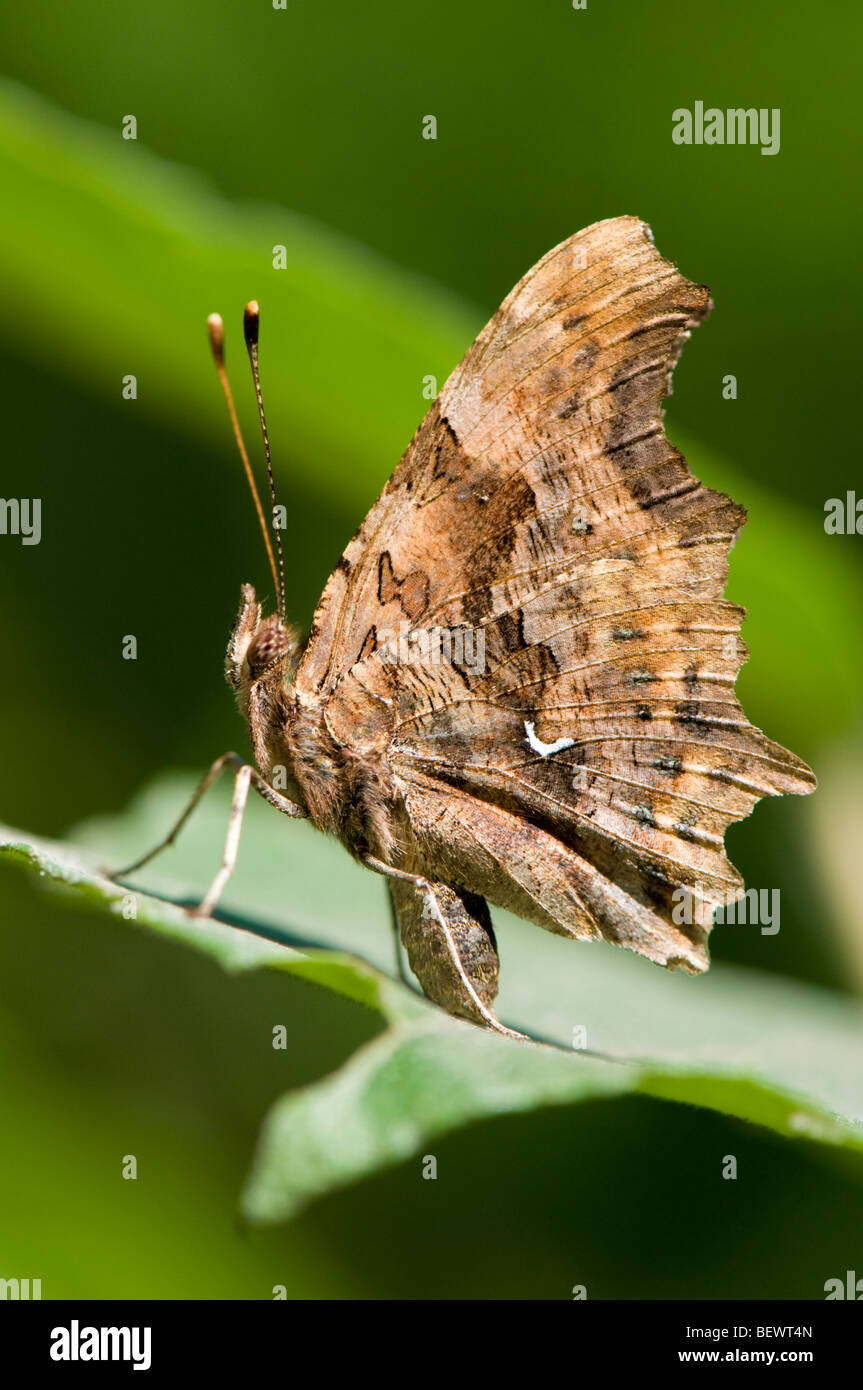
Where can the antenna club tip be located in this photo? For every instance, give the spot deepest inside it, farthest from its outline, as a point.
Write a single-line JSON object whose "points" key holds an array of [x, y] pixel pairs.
{"points": [[251, 321], [216, 331]]}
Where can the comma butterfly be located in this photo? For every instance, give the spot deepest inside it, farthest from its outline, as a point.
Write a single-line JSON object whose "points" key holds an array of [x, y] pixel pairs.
{"points": [[519, 681]]}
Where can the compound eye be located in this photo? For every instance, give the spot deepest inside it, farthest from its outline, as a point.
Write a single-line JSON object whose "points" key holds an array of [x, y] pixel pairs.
{"points": [[266, 646]]}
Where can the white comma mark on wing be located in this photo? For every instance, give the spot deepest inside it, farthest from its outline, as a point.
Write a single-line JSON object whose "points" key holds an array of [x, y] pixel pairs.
{"points": [[545, 750]]}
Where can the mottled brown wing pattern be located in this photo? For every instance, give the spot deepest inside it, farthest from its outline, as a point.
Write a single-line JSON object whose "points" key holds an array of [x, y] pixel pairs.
{"points": [[541, 509], [507, 420]]}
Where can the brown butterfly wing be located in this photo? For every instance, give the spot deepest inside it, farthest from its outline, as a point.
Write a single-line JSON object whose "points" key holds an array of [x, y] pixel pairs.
{"points": [[541, 509]]}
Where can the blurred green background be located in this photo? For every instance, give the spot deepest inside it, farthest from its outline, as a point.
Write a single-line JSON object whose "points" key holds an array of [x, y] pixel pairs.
{"points": [[303, 127]]}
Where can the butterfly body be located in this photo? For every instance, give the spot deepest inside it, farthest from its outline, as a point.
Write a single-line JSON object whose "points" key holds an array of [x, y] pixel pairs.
{"points": [[519, 681]]}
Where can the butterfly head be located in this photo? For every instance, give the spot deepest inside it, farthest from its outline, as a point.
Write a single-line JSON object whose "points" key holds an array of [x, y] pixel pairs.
{"points": [[260, 648]]}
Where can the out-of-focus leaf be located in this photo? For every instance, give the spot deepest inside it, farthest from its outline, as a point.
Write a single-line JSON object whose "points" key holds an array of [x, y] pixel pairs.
{"points": [[838, 835], [114, 256]]}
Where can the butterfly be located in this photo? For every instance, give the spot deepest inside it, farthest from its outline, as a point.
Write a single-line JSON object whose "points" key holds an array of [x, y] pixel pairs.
{"points": [[518, 686]]}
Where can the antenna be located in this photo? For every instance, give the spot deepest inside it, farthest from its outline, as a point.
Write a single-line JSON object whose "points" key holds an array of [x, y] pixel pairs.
{"points": [[215, 329], [251, 320]]}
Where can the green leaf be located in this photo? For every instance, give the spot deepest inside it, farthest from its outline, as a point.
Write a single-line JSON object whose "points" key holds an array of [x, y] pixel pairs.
{"points": [[741, 1042], [150, 249], [396, 1095]]}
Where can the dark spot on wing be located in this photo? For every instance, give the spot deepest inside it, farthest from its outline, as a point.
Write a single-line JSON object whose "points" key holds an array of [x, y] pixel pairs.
{"points": [[511, 629], [689, 712], [678, 321], [370, 642], [586, 356], [669, 765], [507, 514], [477, 604], [632, 440], [387, 586], [656, 886], [448, 457], [412, 592]]}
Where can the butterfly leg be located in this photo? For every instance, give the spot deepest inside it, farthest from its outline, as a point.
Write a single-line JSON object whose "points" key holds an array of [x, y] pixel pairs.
{"points": [[397, 945], [246, 775], [232, 844], [450, 944]]}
